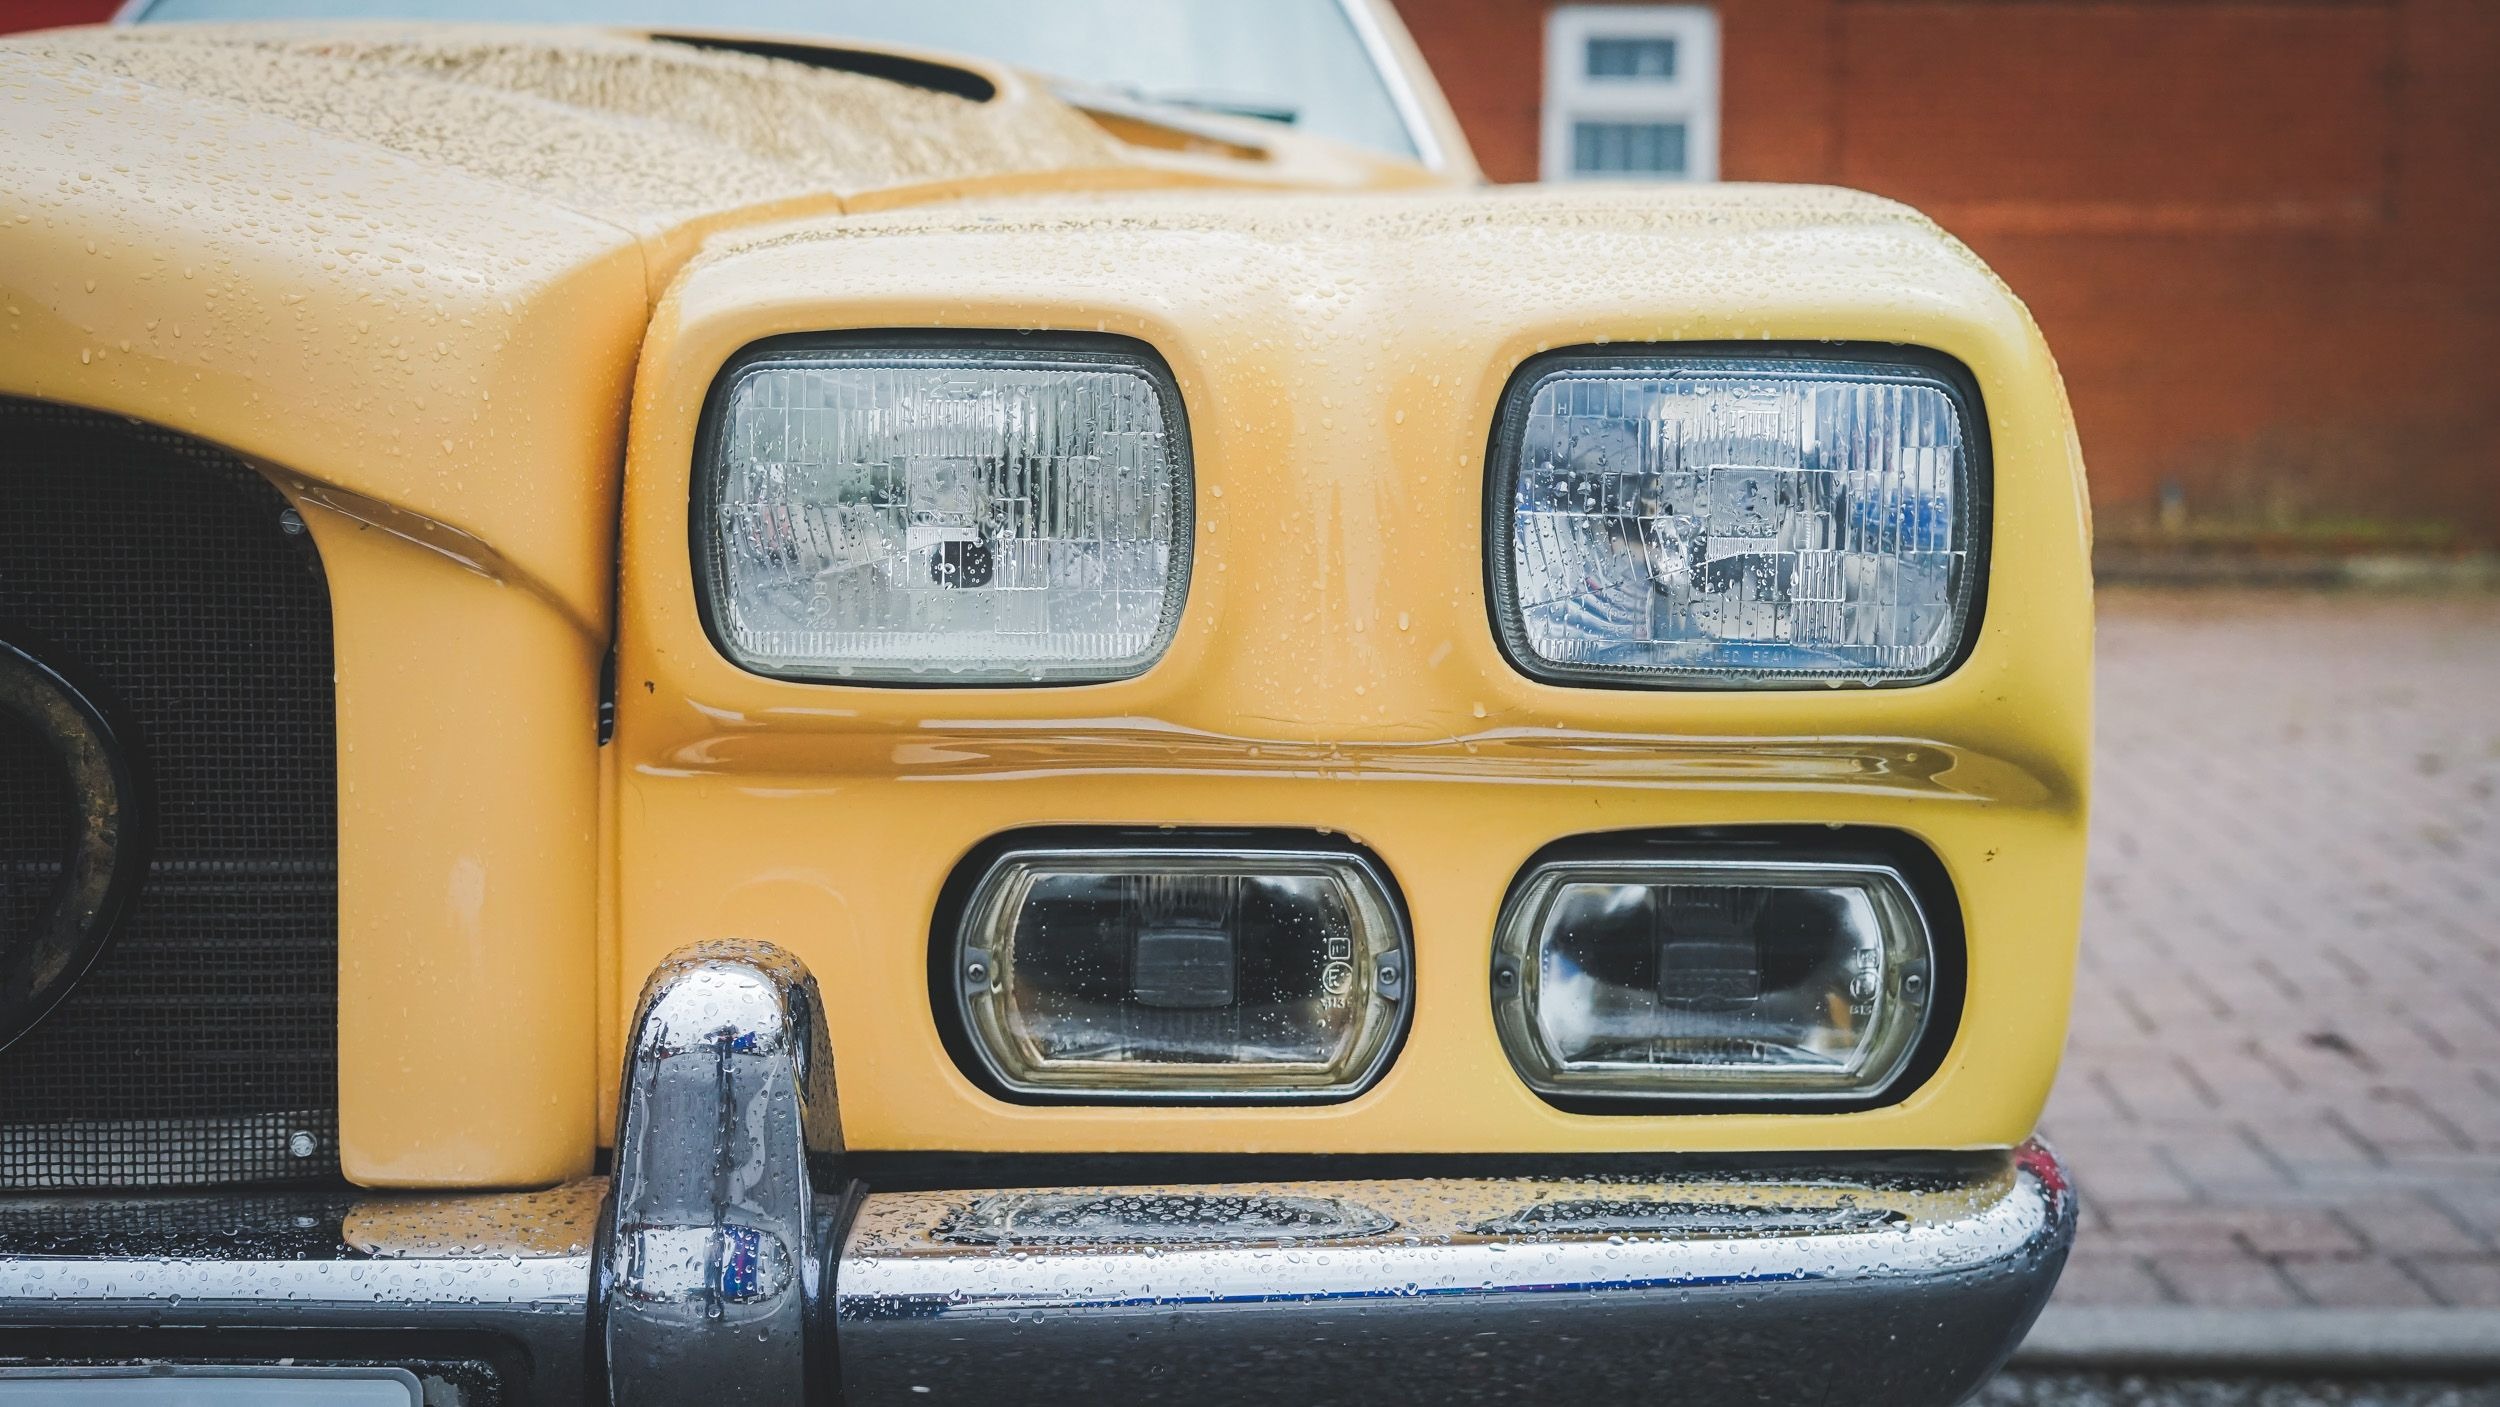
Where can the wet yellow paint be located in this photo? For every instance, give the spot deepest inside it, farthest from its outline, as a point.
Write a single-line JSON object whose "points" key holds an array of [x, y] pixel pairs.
{"points": [[1340, 359], [431, 344]]}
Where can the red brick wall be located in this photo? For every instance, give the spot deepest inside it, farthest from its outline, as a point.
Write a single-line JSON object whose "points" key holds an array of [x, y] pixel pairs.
{"points": [[46, 14], [2263, 235]]}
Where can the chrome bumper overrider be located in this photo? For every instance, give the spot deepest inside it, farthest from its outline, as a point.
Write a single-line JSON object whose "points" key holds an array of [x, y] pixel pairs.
{"points": [[732, 1260]]}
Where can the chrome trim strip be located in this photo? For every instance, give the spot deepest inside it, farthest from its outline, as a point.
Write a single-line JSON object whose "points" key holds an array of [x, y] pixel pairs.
{"points": [[205, 1292], [1918, 1310], [713, 1237], [1394, 78], [515, 1266]]}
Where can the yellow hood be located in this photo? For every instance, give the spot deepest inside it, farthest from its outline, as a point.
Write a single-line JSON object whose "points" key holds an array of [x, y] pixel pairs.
{"points": [[412, 264]]}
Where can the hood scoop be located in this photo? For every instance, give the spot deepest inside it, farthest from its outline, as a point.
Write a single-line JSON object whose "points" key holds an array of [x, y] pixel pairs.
{"points": [[924, 74]]}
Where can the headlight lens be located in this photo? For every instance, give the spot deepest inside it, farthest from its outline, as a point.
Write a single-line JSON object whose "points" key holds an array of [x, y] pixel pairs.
{"points": [[931, 516], [1708, 521], [1181, 973], [1712, 979]]}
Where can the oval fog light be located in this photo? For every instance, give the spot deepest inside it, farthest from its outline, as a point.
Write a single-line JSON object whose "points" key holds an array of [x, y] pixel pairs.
{"points": [[1713, 978], [1180, 972]]}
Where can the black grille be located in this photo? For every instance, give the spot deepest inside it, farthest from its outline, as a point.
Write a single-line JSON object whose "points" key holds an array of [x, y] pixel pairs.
{"points": [[203, 1047]]}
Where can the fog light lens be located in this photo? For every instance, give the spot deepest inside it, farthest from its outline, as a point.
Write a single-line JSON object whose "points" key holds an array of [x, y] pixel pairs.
{"points": [[1721, 981], [1181, 973]]}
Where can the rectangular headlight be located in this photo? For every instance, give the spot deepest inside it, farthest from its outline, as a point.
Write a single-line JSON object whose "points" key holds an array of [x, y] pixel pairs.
{"points": [[913, 514], [1180, 973], [1724, 980], [1709, 521]]}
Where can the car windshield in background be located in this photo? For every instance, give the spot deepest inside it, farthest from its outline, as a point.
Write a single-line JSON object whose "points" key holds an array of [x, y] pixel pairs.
{"points": [[1295, 61]]}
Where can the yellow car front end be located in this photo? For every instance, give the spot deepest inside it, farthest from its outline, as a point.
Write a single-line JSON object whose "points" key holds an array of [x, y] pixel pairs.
{"points": [[668, 1010], [1335, 667]]}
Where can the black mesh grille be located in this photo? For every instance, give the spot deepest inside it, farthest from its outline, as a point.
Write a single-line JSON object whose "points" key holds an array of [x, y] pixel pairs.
{"points": [[206, 1040]]}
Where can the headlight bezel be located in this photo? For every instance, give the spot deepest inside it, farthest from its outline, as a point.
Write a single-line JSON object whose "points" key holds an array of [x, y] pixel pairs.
{"points": [[1925, 884], [970, 883], [1034, 350], [1889, 363]]}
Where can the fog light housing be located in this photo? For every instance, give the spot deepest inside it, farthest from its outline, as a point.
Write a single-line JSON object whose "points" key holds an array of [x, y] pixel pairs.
{"points": [[1717, 979], [1179, 972]]}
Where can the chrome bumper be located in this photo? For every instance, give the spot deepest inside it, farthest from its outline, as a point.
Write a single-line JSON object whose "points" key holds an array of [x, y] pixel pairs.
{"points": [[1764, 1288], [730, 1261]]}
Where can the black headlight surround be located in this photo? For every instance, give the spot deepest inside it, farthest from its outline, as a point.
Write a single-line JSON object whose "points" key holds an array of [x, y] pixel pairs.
{"points": [[954, 910], [1973, 528], [1040, 347], [1911, 859]]}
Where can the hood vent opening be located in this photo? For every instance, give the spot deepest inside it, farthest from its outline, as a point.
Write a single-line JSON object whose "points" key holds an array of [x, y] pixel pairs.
{"points": [[893, 68]]}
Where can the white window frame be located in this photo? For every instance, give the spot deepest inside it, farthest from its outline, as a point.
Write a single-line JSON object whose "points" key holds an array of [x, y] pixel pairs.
{"points": [[1690, 97]]}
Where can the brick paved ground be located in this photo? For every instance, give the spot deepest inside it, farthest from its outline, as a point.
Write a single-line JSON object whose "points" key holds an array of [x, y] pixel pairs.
{"points": [[2120, 1390], [2283, 1086]]}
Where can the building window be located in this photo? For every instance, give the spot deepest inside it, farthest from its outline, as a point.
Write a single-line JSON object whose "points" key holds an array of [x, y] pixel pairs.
{"points": [[1631, 93]]}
